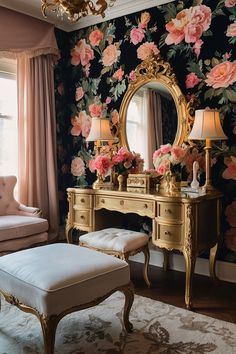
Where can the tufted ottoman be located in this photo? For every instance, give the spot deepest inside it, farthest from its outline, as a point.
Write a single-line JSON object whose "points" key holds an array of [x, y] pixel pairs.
{"points": [[121, 243], [54, 280]]}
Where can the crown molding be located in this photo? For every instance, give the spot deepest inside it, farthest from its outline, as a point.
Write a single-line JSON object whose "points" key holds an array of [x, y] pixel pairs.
{"points": [[120, 8]]}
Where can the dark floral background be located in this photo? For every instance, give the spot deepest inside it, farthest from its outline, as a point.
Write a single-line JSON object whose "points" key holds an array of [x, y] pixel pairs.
{"points": [[198, 39]]}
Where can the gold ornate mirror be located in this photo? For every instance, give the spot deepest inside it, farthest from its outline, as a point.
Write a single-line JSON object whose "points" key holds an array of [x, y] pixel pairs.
{"points": [[154, 111]]}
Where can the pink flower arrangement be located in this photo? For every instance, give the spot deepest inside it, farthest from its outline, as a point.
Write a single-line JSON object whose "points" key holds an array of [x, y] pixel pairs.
{"points": [[126, 161], [169, 159], [102, 164]]}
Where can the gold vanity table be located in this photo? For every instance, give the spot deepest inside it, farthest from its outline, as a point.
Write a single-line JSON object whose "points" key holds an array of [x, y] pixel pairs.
{"points": [[189, 222]]}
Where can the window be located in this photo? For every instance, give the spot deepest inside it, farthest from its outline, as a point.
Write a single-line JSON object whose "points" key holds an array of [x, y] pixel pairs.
{"points": [[8, 118]]}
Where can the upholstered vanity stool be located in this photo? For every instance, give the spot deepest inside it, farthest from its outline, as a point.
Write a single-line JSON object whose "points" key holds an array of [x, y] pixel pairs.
{"points": [[121, 243], [54, 280]]}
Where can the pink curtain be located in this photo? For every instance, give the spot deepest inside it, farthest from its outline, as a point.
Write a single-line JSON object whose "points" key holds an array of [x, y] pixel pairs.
{"points": [[37, 137], [154, 123], [33, 42]]}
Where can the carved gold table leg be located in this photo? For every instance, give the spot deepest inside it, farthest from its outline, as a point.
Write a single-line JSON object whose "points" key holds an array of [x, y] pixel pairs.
{"points": [[212, 261], [190, 260], [69, 228], [166, 256], [129, 299], [145, 267]]}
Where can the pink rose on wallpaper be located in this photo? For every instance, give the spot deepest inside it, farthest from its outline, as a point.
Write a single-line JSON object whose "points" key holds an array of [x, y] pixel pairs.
{"points": [[86, 122], [91, 165], [231, 30], [79, 93], [76, 122], [230, 239], [115, 117], [118, 74], [77, 167], [230, 213], [95, 110], [145, 18], [222, 75], [132, 75], [189, 25], [108, 100], [230, 3], [136, 35], [60, 89], [197, 47], [147, 49], [81, 53], [110, 55], [191, 80], [95, 37], [230, 171]]}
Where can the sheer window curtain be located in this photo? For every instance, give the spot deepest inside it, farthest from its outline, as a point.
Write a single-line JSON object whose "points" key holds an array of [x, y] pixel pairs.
{"points": [[32, 42]]}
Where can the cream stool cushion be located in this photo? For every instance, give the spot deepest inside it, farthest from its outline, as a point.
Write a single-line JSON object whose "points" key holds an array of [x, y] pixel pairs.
{"points": [[120, 240], [121, 243], [54, 280], [56, 277]]}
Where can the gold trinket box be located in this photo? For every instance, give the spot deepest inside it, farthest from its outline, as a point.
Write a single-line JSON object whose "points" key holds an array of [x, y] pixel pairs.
{"points": [[141, 180]]}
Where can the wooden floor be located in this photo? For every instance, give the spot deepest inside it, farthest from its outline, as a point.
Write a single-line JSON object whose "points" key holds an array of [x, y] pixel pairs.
{"points": [[212, 298]]}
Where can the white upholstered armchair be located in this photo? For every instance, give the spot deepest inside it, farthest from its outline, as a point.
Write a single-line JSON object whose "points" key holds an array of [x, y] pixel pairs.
{"points": [[20, 226]]}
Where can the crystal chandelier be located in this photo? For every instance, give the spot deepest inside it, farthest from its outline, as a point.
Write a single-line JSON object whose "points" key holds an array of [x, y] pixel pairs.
{"points": [[75, 9]]}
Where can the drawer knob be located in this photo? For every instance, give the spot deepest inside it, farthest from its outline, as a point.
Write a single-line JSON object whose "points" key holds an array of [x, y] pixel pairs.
{"points": [[145, 206], [121, 202], [102, 201], [167, 211], [82, 200], [81, 216], [167, 233]]}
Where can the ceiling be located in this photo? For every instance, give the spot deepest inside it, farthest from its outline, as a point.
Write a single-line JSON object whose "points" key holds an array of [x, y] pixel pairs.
{"points": [[120, 8]]}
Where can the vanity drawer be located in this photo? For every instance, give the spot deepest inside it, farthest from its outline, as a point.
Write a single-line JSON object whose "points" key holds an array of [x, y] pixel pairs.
{"points": [[83, 201], [126, 205], [171, 234], [169, 211], [82, 217]]}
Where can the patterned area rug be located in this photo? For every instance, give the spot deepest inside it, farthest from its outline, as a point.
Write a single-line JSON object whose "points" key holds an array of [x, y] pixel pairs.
{"points": [[158, 328]]}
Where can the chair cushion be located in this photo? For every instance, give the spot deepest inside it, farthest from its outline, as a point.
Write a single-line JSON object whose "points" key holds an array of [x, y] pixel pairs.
{"points": [[120, 240], [56, 277], [16, 226]]}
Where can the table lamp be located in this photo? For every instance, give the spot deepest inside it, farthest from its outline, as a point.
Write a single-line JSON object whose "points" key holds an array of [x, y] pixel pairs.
{"points": [[207, 127], [100, 131]]}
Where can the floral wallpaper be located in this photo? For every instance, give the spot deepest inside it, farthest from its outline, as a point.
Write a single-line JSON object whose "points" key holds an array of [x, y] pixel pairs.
{"points": [[96, 64]]}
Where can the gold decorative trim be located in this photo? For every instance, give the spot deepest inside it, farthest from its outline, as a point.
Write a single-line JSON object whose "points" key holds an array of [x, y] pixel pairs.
{"points": [[49, 323], [155, 69]]}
